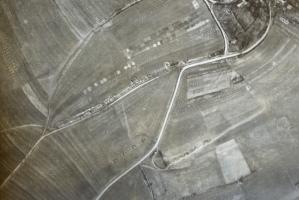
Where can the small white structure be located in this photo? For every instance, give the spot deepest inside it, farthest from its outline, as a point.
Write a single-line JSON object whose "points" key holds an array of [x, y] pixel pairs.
{"points": [[195, 4], [232, 162]]}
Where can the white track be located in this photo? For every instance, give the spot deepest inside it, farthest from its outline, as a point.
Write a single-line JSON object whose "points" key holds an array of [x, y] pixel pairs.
{"points": [[189, 66]]}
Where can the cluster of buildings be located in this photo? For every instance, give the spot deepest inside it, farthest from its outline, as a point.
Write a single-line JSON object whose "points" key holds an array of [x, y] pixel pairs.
{"points": [[243, 21]]}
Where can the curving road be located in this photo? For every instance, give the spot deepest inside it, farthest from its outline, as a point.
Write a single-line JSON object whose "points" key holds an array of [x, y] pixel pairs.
{"points": [[189, 66], [223, 33]]}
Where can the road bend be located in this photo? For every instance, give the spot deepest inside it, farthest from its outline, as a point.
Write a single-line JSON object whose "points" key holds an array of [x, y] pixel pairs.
{"points": [[171, 105]]}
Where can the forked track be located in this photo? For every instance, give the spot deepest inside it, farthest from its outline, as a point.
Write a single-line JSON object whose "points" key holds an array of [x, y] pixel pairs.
{"points": [[192, 65]]}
